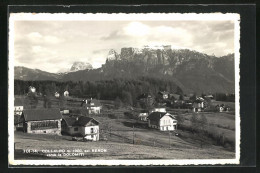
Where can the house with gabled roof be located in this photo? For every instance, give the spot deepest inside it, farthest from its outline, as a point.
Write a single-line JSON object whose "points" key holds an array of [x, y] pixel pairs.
{"points": [[163, 94], [162, 121], [83, 126], [93, 106], [43, 121]]}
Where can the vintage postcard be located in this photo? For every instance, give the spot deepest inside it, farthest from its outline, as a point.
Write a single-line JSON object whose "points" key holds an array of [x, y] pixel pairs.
{"points": [[124, 89]]}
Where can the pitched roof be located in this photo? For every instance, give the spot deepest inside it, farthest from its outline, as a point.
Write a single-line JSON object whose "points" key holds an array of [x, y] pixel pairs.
{"points": [[81, 121], [41, 114], [156, 115], [69, 120], [18, 102], [94, 101]]}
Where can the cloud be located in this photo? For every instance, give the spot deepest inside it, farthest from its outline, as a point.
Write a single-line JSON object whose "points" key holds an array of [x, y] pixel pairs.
{"points": [[136, 29], [53, 45]]}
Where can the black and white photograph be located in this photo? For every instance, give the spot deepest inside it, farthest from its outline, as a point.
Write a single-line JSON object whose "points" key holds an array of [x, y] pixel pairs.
{"points": [[124, 89]]}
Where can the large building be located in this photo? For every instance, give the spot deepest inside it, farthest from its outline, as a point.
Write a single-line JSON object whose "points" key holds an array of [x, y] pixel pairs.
{"points": [[81, 126], [44, 121], [162, 121]]}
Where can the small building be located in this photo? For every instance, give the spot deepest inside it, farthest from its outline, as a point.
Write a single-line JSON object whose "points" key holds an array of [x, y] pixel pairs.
{"points": [[163, 94], [162, 121], [198, 106], [42, 121], [83, 126], [157, 109], [209, 97], [174, 96], [142, 115], [222, 108], [66, 93], [57, 95], [18, 106], [93, 106], [32, 89]]}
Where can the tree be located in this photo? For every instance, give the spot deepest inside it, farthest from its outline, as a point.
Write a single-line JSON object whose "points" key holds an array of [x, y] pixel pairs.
{"points": [[31, 100], [47, 102], [180, 119], [118, 103], [127, 97]]}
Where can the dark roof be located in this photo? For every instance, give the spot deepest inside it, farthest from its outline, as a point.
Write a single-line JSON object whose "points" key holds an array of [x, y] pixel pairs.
{"points": [[156, 115], [69, 120], [198, 101], [96, 103], [18, 102], [144, 96], [81, 121], [41, 114]]}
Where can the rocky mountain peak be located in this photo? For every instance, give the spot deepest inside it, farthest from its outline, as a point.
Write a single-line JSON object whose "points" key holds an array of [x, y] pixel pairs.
{"points": [[76, 66], [112, 55]]}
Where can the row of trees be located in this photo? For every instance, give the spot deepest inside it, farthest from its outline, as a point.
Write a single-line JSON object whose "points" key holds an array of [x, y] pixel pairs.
{"points": [[127, 90]]}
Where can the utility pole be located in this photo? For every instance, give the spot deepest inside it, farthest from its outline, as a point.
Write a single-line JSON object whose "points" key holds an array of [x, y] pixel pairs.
{"points": [[133, 135], [169, 139]]}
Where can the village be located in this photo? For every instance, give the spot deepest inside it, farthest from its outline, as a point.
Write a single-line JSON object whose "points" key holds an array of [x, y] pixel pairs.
{"points": [[167, 120]]}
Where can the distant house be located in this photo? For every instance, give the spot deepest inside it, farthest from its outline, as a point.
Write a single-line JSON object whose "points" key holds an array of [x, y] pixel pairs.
{"points": [[142, 115], [57, 95], [65, 112], [32, 89], [198, 106], [209, 97], [163, 94], [222, 108], [81, 126], [18, 106], [162, 121], [175, 96], [66, 93], [92, 105], [41, 121]]}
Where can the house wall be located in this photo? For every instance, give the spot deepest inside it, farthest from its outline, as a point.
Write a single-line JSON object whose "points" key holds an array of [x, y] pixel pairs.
{"points": [[18, 110], [91, 134], [167, 123], [94, 110], [45, 130], [85, 132]]}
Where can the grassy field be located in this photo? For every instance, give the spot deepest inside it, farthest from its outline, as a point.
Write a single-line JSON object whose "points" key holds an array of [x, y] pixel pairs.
{"points": [[128, 138]]}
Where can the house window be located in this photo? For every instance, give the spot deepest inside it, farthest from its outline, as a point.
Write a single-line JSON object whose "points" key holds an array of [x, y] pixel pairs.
{"points": [[92, 136], [76, 129], [92, 130]]}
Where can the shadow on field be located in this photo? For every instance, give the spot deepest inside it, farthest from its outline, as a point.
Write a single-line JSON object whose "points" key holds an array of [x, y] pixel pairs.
{"points": [[135, 124]]}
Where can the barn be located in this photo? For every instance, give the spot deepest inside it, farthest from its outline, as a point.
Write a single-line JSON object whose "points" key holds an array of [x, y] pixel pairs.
{"points": [[41, 121]]}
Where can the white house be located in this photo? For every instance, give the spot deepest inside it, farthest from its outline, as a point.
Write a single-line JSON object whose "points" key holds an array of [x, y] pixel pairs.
{"points": [[57, 95], [66, 93], [198, 106], [83, 126], [93, 106], [163, 94], [32, 89], [18, 106], [162, 121]]}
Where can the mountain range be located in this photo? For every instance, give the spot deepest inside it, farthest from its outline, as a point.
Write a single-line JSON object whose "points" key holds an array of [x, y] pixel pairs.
{"points": [[192, 71]]}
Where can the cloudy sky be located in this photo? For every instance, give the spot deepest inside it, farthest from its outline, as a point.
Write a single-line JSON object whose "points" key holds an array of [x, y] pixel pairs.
{"points": [[54, 45]]}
